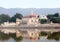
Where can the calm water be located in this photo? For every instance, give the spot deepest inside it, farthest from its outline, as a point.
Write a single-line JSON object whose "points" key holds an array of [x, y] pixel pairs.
{"points": [[29, 40], [12, 38]]}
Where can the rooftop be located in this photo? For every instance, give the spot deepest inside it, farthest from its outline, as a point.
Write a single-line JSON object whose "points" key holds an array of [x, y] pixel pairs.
{"points": [[30, 15]]}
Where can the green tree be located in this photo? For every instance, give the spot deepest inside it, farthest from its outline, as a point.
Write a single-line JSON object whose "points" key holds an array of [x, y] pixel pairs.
{"points": [[4, 18], [53, 15], [17, 15], [56, 15], [56, 20], [42, 21], [50, 16]]}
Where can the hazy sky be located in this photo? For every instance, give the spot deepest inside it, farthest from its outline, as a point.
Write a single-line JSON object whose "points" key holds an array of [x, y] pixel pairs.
{"points": [[30, 3]]}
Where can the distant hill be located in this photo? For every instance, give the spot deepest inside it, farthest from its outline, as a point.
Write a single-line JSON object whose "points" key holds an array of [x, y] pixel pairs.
{"points": [[26, 11]]}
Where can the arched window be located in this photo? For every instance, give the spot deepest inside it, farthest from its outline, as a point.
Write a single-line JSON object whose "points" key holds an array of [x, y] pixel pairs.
{"points": [[38, 16], [31, 20], [30, 16]]}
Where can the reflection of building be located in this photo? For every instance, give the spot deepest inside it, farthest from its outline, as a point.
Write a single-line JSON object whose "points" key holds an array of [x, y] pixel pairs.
{"points": [[33, 34]]}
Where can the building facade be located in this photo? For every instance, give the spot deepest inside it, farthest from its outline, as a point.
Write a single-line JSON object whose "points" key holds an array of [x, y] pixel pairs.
{"points": [[31, 19]]}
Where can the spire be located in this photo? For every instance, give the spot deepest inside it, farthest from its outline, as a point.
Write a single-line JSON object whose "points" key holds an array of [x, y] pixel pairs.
{"points": [[32, 12]]}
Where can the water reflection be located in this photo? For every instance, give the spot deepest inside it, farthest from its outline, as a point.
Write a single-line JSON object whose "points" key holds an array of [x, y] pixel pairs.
{"points": [[54, 35], [12, 38], [40, 40], [5, 37]]}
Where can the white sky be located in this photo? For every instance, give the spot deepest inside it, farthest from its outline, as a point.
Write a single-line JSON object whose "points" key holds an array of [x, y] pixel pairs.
{"points": [[30, 3]]}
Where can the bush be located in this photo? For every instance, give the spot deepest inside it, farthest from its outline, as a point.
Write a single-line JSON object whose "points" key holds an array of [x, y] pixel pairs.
{"points": [[56, 20], [42, 21]]}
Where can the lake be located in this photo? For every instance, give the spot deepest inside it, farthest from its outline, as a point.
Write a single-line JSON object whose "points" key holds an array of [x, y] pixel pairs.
{"points": [[28, 40], [11, 37]]}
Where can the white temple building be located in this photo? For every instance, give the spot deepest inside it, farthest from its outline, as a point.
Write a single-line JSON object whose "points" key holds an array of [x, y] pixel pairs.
{"points": [[31, 19]]}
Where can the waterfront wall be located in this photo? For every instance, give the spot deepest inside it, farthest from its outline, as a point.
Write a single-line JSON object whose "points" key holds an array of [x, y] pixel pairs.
{"points": [[41, 26]]}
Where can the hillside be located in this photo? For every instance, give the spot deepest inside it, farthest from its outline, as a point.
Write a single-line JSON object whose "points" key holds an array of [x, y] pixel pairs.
{"points": [[26, 11]]}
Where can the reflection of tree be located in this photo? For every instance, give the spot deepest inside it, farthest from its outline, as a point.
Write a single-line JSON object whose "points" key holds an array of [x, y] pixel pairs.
{"points": [[54, 35], [42, 33], [5, 37], [18, 39], [15, 38]]}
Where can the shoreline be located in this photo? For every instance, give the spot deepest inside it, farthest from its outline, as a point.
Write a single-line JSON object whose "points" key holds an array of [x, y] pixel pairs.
{"points": [[40, 26]]}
